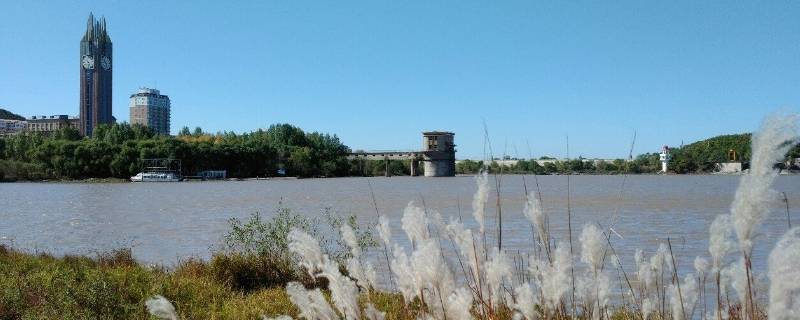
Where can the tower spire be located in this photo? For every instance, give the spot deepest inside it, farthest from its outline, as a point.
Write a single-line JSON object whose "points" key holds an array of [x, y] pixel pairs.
{"points": [[103, 32], [90, 27]]}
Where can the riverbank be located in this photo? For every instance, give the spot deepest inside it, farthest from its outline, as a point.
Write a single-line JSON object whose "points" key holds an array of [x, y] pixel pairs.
{"points": [[87, 180], [119, 180], [114, 286]]}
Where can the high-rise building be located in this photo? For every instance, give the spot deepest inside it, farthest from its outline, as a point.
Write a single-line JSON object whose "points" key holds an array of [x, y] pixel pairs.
{"points": [[95, 66], [152, 109]]}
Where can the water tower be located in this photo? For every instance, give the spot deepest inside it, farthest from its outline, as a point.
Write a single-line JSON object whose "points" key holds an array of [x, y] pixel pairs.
{"points": [[439, 154], [664, 157]]}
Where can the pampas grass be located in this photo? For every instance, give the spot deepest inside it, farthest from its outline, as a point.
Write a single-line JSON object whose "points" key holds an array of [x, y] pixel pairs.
{"points": [[754, 195], [753, 198], [683, 303], [459, 304], [161, 308], [306, 247], [498, 272], [480, 199], [784, 276], [594, 287], [415, 224], [312, 303], [536, 216], [553, 278]]}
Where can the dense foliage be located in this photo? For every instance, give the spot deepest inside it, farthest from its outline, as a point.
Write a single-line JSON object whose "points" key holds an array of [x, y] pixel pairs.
{"points": [[645, 163], [701, 156], [118, 150], [260, 237], [8, 115], [698, 157]]}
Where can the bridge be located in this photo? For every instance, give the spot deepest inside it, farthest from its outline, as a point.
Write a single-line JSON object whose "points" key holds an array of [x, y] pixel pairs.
{"points": [[438, 155], [386, 155]]}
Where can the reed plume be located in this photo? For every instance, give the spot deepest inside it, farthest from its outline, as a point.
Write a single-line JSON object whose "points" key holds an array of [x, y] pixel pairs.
{"points": [[751, 204], [754, 196], [161, 308], [535, 214], [498, 272], [480, 199], [311, 303], [784, 276], [683, 303], [553, 278]]}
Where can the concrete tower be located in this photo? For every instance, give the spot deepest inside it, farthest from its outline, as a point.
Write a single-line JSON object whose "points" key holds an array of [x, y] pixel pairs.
{"points": [[95, 76], [439, 154]]}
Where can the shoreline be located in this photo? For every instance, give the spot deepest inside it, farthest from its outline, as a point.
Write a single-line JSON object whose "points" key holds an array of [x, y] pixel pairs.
{"points": [[120, 180]]}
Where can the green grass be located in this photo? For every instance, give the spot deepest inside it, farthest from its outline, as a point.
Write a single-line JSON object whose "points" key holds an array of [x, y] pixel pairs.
{"points": [[114, 286]]}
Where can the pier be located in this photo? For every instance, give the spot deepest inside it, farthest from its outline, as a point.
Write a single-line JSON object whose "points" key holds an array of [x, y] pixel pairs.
{"points": [[438, 155]]}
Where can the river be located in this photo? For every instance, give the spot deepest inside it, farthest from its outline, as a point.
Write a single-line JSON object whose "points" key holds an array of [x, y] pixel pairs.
{"points": [[166, 222]]}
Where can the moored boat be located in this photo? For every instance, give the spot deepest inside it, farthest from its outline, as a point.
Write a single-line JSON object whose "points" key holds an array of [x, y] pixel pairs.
{"points": [[156, 177]]}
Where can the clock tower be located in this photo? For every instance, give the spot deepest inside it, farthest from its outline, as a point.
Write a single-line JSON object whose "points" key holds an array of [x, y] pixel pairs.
{"points": [[96, 66]]}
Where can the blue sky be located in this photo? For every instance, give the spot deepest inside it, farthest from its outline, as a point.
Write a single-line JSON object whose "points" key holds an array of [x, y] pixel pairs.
{"points": [[377, 73]]}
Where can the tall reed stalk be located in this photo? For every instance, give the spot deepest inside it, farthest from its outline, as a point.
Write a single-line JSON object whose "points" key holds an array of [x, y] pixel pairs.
{"points": [[378, 216]]}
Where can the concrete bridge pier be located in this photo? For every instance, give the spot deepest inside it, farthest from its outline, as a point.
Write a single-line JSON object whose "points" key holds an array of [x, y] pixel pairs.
{"points": [[414, 167], [438, 156]]}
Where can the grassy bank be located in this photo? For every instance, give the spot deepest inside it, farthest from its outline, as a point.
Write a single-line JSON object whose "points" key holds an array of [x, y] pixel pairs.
{"points": [[114, 286]]}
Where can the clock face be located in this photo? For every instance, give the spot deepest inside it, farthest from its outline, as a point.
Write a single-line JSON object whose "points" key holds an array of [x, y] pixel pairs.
{"points": [[87, 62], [106, 63]]}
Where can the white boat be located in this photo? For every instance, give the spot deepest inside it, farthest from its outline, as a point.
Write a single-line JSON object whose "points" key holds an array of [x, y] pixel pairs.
{"points": [[156, 177]]}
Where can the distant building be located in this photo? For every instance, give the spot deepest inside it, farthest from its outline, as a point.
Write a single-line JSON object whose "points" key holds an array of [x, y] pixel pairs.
{"points": [[152, 109], [50, 124], [12, 127], [213, 174], [95, 77], [664, 157]]}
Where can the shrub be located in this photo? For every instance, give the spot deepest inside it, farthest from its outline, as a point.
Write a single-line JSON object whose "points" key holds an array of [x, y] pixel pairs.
{"points": [[256, 255], [248, 272]]}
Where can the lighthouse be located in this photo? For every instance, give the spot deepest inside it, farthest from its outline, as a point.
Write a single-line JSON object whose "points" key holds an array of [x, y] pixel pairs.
{"points": [[664, 157]]}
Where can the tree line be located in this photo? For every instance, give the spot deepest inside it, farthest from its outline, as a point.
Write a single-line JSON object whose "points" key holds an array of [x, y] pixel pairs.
{"points": [[645, 163], [698, 157], [118, 150]]}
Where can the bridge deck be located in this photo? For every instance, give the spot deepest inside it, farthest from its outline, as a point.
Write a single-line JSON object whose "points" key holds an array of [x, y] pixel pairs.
{"points": [[383, 155]]}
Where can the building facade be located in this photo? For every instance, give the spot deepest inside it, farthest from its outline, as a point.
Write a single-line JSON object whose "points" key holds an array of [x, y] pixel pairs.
{"points": [[152, 109], [50, 124], [95, 77], [12, 127]]}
